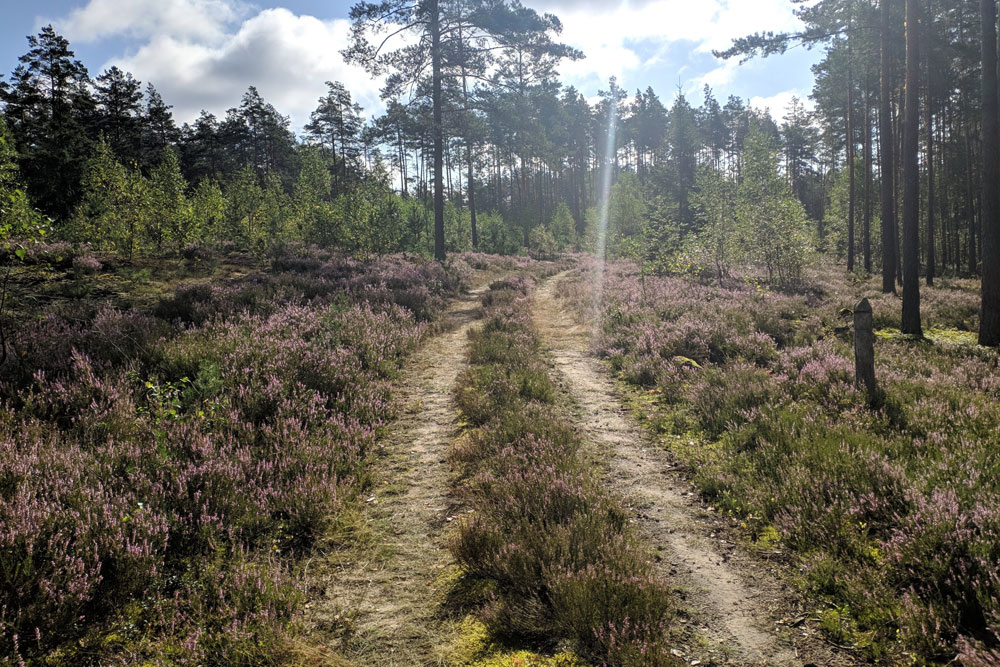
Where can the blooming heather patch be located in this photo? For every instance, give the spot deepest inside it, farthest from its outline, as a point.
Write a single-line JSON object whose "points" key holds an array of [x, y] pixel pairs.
{"points": [[160, 474], [557, 550], [892, 506]]}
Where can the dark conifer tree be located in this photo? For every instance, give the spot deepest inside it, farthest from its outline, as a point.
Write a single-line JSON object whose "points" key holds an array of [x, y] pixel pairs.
{"points": [[50, 111], [119, 106], [336, 123], [989, 326], [158, 128]]}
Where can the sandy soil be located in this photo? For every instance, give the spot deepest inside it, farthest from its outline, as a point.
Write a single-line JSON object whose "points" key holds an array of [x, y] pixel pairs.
{"points": [[738, 611], [378, 603]]}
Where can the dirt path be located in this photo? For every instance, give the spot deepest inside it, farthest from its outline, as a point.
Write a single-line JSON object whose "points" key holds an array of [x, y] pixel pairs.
{"points": [[734, 603], [378, 603]]}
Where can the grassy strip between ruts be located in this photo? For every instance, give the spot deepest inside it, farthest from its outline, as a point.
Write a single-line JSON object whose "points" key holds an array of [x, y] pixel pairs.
{"points": [[558, 565]]}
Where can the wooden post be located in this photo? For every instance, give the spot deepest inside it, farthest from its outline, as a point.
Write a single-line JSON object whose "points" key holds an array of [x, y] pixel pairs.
{"points": [[864, 347]]}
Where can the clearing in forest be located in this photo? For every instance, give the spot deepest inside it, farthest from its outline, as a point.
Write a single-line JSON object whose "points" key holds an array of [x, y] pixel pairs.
{"points": [[383, 602]]}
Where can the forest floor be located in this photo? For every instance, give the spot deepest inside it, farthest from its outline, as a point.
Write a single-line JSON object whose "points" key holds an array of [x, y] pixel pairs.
{"points": [[381, 599]]}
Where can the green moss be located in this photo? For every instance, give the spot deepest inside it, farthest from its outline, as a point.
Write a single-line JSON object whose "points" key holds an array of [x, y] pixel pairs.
{"points": [[835, 624], [953, 336], [476, 648], [891, 333], [935, 335], [768, 537]]}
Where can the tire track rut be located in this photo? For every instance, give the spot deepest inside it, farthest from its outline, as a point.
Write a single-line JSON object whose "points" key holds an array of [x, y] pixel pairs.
{"points": [[733, 602], [380, 604]]}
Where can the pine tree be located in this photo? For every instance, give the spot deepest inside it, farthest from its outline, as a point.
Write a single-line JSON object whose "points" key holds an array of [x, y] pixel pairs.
{"points": [[119, 104], [158, 128], [887, 151], [168, 203], [113, 213], [207, 211], [771, 220], [911, 177], [714, 200], [683, 153], [255, 135], [244, 203], [337, 123], [202, 149], [49, 111], [435, 25], [311, 192]]}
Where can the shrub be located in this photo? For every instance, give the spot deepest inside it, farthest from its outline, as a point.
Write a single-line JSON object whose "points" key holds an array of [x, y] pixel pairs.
{"points": [[86, 264]]}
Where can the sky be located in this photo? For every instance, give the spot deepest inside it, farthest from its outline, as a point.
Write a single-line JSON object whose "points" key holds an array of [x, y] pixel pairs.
{"points": [[203, 54]]}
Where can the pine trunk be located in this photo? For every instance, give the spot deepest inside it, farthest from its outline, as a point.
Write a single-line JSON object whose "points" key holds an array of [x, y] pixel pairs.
{"points": [[887, 158], [989, 326], [851, 195], [867, 238], [931, 202], [911, 177], [435, 29]]}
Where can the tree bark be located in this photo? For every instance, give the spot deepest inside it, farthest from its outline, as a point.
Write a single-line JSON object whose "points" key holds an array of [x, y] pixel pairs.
{"points": [[929, 122], [989, 323], [867, 239], [435, 29], [944, 204], [970, 206], [887, 158], [911, 177], [851, 195], [471, 184]]}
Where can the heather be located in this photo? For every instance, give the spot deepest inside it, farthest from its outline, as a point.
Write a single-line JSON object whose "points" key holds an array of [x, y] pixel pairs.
{"points": [[552, 550], [890, 506], [162, 473]]}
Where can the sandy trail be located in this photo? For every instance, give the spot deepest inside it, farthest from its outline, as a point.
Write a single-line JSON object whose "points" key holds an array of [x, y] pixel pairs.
{"points": [[734, 602], [380, 604]]}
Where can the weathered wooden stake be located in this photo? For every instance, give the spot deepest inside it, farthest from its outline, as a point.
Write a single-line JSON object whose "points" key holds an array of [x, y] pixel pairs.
{"points": [[864, 347]]}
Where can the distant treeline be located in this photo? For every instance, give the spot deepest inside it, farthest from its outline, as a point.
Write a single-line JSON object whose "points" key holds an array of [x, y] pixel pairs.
{"points": [[105, 161]]}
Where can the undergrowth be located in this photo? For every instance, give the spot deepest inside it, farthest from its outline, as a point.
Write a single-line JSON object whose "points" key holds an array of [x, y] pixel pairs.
{"points": [[162, 473]]}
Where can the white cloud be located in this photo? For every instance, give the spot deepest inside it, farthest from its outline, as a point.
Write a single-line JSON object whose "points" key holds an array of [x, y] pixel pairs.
{"points": [[192, 19], [737, 18], [286, 56], [721, 76], [205, 53], [611, 33], [779, 103]]}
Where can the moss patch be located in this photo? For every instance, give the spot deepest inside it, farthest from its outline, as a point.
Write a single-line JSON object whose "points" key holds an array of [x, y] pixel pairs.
{"points": [[476, 648]]}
